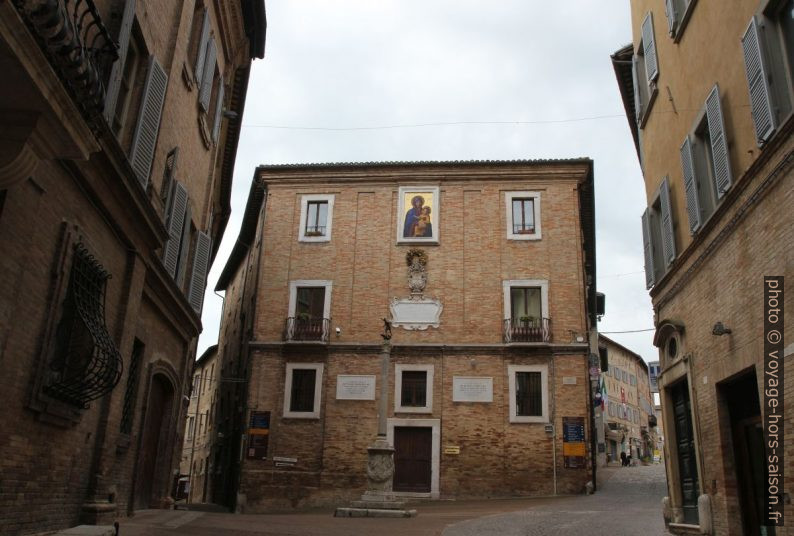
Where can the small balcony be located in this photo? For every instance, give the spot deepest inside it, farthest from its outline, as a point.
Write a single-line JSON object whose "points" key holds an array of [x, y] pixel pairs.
{"points": [[299, 329], [78, 45], [527, 330]]}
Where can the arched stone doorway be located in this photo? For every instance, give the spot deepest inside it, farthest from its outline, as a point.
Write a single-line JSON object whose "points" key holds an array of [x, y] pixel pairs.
{"points": [[155, 452]]}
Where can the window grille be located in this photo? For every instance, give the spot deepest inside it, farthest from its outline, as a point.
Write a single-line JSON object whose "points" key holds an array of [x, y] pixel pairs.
{"points": [[87, 364]]}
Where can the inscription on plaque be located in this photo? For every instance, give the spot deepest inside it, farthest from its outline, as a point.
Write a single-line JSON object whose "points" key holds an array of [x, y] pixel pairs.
{"points": [[472, 389], [355, 387]]}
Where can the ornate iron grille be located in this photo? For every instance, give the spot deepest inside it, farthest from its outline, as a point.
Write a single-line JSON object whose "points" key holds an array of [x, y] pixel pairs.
{"points": [[79, 47], [307, 329], [87, 364], [532, 330]]}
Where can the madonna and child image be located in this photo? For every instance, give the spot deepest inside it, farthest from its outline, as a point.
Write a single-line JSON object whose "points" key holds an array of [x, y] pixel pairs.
{"points": [[420, 215]]}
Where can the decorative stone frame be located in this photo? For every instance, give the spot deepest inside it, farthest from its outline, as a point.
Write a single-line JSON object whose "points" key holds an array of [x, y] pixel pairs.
{"points": [[318, 384], [293, 294], [435, 454], [398, 384], [509, 196], [329, 198], [434, 215], [544, 383], [543, 284]]}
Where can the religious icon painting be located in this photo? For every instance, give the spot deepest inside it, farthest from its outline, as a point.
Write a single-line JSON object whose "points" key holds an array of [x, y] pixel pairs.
{"points": [[418, 211]]}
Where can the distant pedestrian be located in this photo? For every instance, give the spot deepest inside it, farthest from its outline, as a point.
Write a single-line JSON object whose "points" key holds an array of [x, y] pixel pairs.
{"points": [[623, 459], [628, 459]]}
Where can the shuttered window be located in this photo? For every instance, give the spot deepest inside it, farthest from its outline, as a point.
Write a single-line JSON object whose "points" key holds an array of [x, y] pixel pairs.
{"points": [[647, 246], [144, 140], [169, 172], [117, 71], [668, 237], [202, 46], [176, 220], [756, 71], [205, 91], [672, 16], [216, 127], [635, 72], [649, 48], [719, 144], [690, 186], [198, 279]]}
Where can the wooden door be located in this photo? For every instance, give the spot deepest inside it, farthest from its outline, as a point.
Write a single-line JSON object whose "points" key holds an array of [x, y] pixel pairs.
{"points": [[685, 448], [154, 463], [413, 448]]}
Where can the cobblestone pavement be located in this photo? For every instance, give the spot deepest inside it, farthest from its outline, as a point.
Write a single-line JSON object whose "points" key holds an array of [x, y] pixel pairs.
{"points": [[628, 503]]}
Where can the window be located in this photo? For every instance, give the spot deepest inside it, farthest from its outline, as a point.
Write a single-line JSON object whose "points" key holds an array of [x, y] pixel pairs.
{"points": [[632, 380], [705, 163], [316, 218], [657, 235], [526, 305], [413, 388], [645, 71], [678, 12], [169, 172], [523, 215], [528, 391], [309, 311], [191, 421], [195, 390], [199, 34], [768, 46], [302, 390]]}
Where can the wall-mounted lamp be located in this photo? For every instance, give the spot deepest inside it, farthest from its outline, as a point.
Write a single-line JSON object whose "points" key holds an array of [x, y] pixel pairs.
{"points": [[230, 114], [338, 331], [720, 329]]}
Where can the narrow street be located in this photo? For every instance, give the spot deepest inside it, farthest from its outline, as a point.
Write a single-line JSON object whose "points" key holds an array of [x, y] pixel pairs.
{"points": [[628, 503]]}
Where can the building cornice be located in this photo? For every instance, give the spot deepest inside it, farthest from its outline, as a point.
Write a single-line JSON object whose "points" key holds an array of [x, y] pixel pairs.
{"points": [[375, 348]]}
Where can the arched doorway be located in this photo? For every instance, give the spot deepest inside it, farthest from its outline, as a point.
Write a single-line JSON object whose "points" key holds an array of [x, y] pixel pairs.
{"points": [[155, 454]]}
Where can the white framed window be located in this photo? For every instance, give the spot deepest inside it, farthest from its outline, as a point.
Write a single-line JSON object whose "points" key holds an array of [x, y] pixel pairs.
{"points": [[529, 393], [678, 13], [317, 211], [302, 390], [522, 211], [526, 310], [413, 388]]}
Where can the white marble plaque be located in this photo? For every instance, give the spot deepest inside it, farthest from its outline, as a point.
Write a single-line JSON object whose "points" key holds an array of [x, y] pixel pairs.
{"points": [[472, 389], [416, 313], [354, 387]]}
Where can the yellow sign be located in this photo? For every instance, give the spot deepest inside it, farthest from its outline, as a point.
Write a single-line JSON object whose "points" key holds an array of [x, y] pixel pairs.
{"points": [[573, 449], [258, 431], [452, 450]]}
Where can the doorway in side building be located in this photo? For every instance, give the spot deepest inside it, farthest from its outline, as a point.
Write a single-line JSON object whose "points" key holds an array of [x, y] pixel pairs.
{"points": [[417, 453], [739, 396], [684, 448]]}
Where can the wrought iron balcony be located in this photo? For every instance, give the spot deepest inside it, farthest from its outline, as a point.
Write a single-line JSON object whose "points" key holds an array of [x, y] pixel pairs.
{"points": [[527, 330], [79, 47], [307, 329]]}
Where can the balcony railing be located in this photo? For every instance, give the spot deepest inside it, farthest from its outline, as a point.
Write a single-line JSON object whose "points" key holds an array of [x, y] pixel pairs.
{"points": [[528, 330], [307, 329], [78, 46]]}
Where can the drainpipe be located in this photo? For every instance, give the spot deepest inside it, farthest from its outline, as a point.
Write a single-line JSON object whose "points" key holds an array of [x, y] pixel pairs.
{"points": [[553, 426]]}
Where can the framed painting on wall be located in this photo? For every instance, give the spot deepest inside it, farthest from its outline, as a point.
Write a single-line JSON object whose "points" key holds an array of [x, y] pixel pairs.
{"points": [[417, 214]]}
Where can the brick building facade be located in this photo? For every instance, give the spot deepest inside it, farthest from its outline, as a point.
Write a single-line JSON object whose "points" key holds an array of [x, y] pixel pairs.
{"points": [[628, 403], [488, 296], [115, 177], [708, 92]]}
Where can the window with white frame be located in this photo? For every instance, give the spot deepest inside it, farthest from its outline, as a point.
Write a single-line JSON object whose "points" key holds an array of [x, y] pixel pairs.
{"points": [[526, 310], [302, 390], [768, 46], [316, 218], [523, 215], [191, 421], [645, 71], [705, 163], [413, 388], [529, 393], [309, 314], [658, 235]]}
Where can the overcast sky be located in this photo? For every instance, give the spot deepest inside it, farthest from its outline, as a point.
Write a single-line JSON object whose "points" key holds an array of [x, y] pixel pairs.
{"points": [[518, 79]]}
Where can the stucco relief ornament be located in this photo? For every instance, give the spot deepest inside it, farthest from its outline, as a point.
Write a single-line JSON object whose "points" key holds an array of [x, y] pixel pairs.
{"points": [[417, 312], [380, 467]]}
